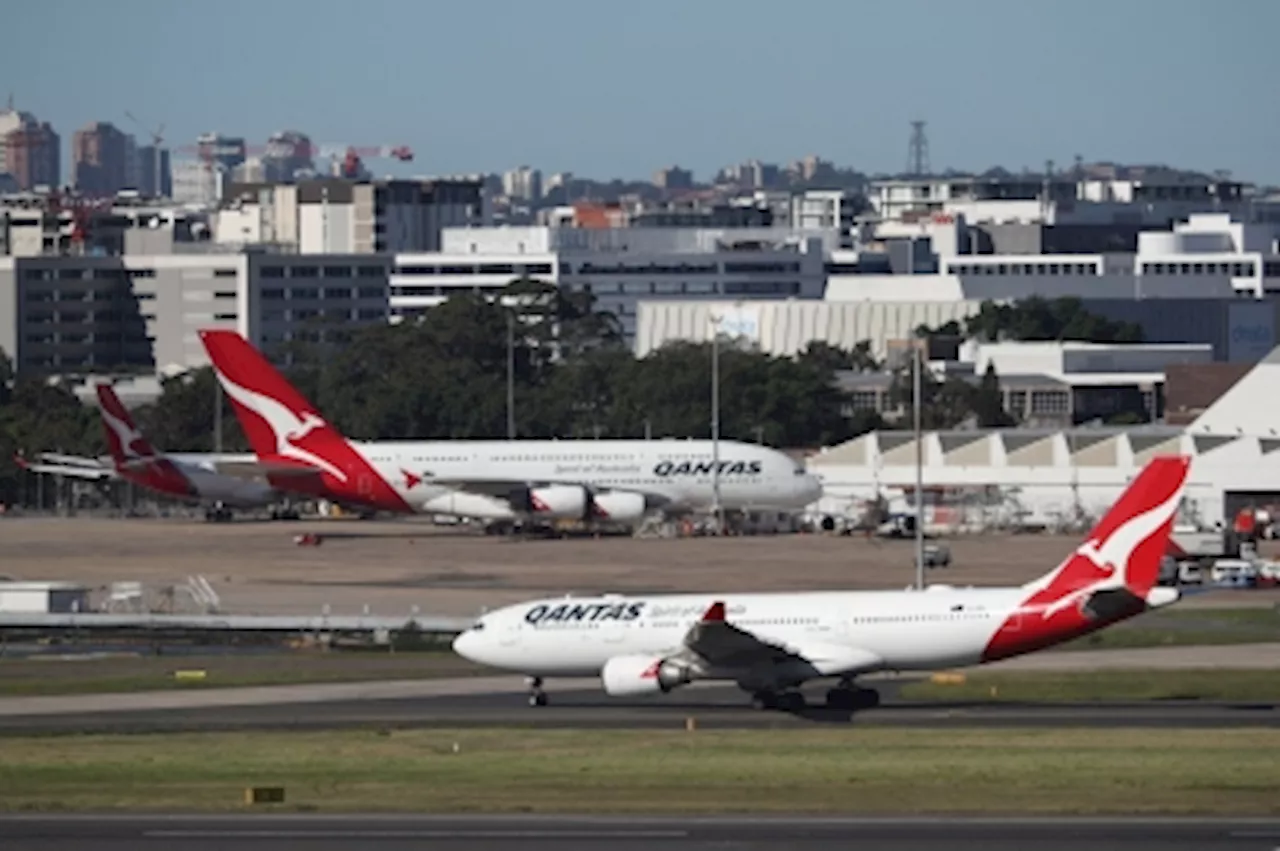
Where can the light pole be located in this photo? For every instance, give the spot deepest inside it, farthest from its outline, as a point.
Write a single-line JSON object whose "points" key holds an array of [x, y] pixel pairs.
{"points": [[715, 422], [217, 415], [915, 405], [511, 379]]}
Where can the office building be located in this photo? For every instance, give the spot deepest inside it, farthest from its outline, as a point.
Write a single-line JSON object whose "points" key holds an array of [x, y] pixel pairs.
{"points": [[621, 267], [32, 153], [345, 216], [101, 159], [140, 314]]}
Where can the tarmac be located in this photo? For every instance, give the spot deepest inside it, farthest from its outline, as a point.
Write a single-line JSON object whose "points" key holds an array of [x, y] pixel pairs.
{"points": [[531, 833], [500, 701], [575, 704]]}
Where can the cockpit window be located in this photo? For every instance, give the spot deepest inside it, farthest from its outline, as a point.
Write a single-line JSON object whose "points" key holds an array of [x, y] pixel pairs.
{"points": [[800, 471], [478, 626]]}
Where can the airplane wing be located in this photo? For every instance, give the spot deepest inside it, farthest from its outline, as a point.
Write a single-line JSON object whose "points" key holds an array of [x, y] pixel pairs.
{"points": [[502, 487], [720, 644]]}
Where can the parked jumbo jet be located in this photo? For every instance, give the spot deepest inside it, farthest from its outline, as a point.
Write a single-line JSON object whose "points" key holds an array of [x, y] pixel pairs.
{"points": [[612, 480], [189, 477], [770, 644]]}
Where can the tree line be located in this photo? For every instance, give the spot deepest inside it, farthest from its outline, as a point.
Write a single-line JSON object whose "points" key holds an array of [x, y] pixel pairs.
{"points": [[444, 375]]}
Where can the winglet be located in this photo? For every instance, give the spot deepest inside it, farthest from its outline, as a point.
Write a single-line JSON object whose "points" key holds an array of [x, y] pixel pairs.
{"points": [[715, 614]]}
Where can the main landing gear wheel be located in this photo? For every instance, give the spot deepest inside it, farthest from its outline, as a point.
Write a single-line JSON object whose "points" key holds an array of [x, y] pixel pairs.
{"points": [[787, 701], [852, 697], [537, 697]]}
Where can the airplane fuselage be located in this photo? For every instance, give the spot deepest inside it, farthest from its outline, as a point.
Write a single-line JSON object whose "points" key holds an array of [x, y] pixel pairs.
{"points": [[194, 478], [901, 630], [447, 477]]}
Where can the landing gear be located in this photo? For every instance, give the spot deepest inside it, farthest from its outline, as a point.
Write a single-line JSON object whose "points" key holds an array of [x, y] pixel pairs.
{"points": [[219, 513], [787, 701], [537, 697], [847, 696]]}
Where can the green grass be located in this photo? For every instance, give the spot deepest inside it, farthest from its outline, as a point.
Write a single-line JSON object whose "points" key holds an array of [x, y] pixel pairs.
{"points": [[1185, 628], [813, 771], [45, 676], [1261, 686]]}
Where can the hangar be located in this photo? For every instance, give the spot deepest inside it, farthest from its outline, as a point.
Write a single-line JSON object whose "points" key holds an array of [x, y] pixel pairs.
{"points": [[1064, 478]]}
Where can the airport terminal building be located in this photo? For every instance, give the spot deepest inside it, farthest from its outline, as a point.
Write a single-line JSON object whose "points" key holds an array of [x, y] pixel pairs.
{"points": [[982, 478]]}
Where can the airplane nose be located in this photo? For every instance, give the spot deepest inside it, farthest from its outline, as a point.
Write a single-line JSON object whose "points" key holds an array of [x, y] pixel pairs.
{"points": [[464, 645], [812, 488]]}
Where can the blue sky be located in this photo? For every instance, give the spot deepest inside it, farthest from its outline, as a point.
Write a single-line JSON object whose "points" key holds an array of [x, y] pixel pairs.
{"points": [[619, 89]]}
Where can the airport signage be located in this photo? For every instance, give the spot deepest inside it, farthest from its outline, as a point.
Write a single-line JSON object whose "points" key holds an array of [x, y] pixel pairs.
{"points": [[669, 469]]}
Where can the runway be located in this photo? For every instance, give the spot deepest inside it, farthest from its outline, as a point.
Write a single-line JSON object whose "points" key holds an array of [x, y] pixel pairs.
{"points": [[446, 833], [710, 707]]}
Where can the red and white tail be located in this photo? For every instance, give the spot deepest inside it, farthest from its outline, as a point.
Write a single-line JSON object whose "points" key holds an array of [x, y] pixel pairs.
{"points": [[279, 422], [135, 459], [1109, 576], [1125, 547], [126, 444]]}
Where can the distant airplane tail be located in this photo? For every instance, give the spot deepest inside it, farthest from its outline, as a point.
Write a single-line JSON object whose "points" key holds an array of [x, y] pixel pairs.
{"points": [[135, 459]]}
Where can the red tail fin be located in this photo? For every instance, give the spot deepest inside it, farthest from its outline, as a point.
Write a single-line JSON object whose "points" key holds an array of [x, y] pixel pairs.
{"points": [[135, 459], [283, 426], [1125, 547], [124, 441], [272, 413], [1108, 577]]}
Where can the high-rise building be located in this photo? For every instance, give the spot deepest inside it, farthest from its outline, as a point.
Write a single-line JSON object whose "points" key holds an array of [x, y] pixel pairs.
{"points": [[33, 156], [673, 177], [151, 172], [524, 183], [100, 154]]}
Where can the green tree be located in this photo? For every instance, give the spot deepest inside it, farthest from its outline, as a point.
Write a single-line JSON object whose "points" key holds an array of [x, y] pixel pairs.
{"points": [[988, 401], [182, 418], [1036, 318]]}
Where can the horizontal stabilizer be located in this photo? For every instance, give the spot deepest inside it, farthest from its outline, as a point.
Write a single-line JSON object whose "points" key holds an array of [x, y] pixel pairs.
{"points": [[91, 473], [73, 460]]}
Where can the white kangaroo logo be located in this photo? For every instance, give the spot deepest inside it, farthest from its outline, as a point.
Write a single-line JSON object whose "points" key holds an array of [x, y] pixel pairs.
{"points": [[1112, 556], [285, 425], [124, 432]]}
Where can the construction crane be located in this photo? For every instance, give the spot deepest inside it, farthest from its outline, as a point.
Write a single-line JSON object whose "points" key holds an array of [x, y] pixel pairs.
{"points": [[157, 139]]}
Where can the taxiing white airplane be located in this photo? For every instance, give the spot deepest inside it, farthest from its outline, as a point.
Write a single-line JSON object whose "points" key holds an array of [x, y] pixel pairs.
{"points": [[605, 480], [770, 644], [190, 477]]}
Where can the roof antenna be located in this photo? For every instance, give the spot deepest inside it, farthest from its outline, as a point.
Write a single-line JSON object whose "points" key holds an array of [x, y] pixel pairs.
{"points": [[10, 107]]}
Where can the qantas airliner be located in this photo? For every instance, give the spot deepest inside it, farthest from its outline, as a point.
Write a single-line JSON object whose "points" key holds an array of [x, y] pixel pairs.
{"points": [[188, 477], [770, 644], [609, 480]]}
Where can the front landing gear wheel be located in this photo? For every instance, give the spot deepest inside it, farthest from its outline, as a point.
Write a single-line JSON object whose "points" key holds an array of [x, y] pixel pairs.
{"points": [[764, 700], [537, 697], [792, 701]]}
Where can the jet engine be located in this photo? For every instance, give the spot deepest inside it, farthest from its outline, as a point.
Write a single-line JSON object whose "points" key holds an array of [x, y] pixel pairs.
{"points": [[560, 501], [619, 506], [627, 676]]}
